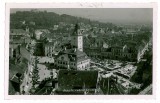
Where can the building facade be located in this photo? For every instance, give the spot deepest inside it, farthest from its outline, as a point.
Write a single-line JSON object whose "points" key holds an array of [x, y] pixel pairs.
{"points": [[73, 57], [14, 50], [50, 49], [125, 52]]}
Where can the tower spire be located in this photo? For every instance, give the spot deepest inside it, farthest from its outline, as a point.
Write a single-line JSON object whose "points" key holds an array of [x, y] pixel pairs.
{"points": [[76, 29], [77, 38]]}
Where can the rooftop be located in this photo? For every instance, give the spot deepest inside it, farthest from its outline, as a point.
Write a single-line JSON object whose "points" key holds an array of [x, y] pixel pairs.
{"points": [[73, 79], [14, 46], [75, 52], [74, 55], [17, 31]]}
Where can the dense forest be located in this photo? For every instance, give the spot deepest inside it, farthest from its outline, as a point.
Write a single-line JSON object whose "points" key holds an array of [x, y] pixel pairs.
{"points": [[44, 19]]}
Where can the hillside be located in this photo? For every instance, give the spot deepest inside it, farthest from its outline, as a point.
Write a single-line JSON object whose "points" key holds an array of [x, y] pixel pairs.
{"points": [[44, 19]]}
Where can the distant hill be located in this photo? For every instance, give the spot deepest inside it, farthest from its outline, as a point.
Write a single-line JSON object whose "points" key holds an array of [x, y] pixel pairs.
{"points": [[44, 19]]}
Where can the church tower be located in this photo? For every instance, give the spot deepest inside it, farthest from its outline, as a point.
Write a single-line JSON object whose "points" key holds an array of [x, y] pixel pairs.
{"points": [[77, 38]]}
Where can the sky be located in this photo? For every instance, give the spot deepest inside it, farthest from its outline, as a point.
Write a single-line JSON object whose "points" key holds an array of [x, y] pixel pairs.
{"points": [[114, 15]]}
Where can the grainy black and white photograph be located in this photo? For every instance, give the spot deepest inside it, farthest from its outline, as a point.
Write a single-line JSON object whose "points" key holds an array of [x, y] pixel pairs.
{"points": [[80, 51]]}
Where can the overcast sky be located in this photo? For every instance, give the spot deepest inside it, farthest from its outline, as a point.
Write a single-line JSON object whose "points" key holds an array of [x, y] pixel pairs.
{"points": [[114, 15]]}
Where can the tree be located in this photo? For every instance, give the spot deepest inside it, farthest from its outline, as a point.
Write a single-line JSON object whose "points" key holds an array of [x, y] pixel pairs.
{"points": [[35, 76]]}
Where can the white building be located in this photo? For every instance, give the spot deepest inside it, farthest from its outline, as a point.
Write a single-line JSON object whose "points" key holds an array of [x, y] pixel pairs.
{"points": [[74, 57], [38, 34]]}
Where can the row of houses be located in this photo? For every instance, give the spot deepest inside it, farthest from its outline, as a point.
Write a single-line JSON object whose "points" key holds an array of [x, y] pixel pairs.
{"points": [[115, 52]]}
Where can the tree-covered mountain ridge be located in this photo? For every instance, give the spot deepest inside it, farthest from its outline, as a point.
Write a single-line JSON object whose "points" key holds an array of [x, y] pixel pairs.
{"points": [[44, 19]]}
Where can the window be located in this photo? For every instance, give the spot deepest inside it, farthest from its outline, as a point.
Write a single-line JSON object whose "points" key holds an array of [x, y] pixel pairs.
{"points": [[62, 58]]}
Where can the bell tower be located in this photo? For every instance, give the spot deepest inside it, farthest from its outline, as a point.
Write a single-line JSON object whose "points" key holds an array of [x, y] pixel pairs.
{"points": [[77, 38]]}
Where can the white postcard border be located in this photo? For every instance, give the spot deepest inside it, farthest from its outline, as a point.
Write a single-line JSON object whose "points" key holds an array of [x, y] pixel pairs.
{"points": [[80, 5]]}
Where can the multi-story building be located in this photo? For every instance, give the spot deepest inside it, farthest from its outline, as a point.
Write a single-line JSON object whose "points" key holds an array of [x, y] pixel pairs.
{"points": [[73, 57], [19, 36], [127, 51], [50, 49], [53, 46], [14, 50], [120, 53]]}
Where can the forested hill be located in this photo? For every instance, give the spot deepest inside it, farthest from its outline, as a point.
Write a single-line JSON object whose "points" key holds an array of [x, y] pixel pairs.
{"points": [[44, 19]]}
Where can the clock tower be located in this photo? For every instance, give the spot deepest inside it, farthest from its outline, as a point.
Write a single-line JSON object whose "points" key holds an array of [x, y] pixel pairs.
{"points": [[77, 38]]}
